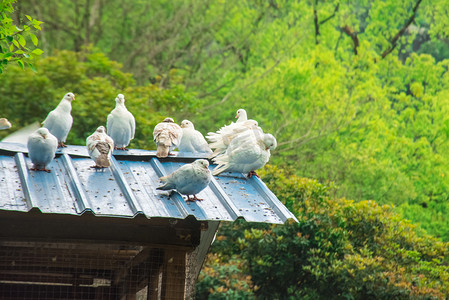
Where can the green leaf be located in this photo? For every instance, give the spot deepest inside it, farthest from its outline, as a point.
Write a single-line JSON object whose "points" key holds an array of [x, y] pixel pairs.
{"points": [[22, 40], [28, 17], [19, 52], [36, 22], [34, 39], [11, 48], [20, 63], [1, 49], [32, 67], [37, 51], [9, 38], [16, 43]]}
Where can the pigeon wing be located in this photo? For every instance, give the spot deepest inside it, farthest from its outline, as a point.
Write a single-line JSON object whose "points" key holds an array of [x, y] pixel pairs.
{"points": [[110, 122], [132, 124], [200, 142]]}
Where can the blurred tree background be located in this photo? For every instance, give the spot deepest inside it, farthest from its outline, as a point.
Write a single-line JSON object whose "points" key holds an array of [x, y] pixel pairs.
{"points": [[356, 93]]}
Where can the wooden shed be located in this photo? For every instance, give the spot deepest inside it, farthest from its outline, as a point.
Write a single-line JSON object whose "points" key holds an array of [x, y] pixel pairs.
{"points": [[80, 233]]}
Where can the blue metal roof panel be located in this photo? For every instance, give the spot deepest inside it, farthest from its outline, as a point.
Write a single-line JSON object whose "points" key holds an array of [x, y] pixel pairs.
{"points": [[128, 188], [12, 197]]}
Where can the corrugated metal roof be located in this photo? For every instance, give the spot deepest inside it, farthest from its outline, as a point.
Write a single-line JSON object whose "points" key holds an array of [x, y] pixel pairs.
{"points": [[128, 188]]}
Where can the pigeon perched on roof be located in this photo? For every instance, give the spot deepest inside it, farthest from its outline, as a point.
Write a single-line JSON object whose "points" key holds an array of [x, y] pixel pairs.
{"points": [[167, 136], [246, 153], [4, 124], [42, 147], [121, 124], [190, 179], [99, 146], [59, 121], [221, 139], [241, 115], [192, 140]]}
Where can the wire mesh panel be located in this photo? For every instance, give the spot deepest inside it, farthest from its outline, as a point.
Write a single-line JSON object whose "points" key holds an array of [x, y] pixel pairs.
{"points": [[68, 270]]}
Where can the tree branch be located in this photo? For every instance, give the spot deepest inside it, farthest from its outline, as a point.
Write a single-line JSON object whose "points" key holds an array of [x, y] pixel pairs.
{"points": [[338, 42], [353, 35], [43, 39], [205, 94], [301, 139], [315, 21], [60, 25], [331, 16], [401, 32]]}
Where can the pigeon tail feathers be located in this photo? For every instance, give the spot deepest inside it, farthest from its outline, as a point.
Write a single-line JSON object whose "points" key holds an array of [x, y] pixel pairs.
{"points": [[220, 169], [103, 161], [162, 150], [166, 186]]}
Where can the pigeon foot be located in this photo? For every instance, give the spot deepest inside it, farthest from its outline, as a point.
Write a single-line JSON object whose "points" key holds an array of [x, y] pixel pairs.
{"points": [[97, 167], [253, 173], [193, 199], [62, 145], [44, 169]]}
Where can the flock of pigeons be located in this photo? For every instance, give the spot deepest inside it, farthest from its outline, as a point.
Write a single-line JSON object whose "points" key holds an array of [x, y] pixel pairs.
{"points": [[239, 147]]}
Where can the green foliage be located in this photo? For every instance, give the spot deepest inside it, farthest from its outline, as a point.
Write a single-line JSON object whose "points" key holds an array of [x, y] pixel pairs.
{"points": [[15, 43], [224, 280], [338, 249], [96, 81]]}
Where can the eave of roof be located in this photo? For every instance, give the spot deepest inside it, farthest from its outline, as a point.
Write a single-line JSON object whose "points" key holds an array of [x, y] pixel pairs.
{"points": [[128, 188]]}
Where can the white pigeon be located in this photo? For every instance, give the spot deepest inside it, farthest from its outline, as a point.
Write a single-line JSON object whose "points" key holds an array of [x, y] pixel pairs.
{"points": [[241, 115], [221, 139], [42, 147], [121, 124], [192, 140], [167, 136], [99, 146], [190, 179], [4, 124], [59, 121], [246, 153]]}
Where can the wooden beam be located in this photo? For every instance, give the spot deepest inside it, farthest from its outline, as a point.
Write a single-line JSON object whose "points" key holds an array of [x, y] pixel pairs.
{"points": [[45, 277], [155, 284], [174, 275], [138, 272], [140, 258], [89, 272], [35, 291]]}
